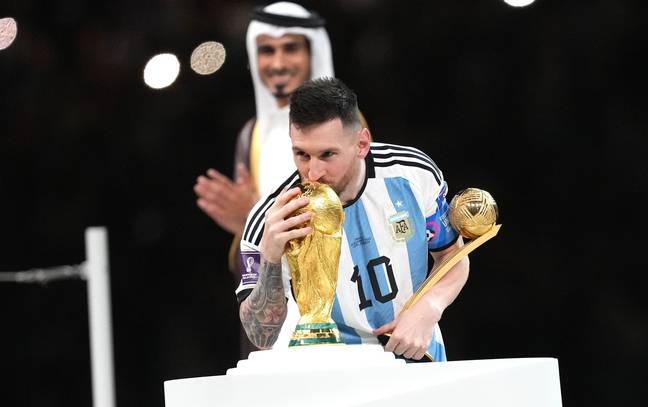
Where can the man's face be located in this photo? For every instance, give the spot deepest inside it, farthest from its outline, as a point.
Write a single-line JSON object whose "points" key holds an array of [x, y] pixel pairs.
{"points": [[330, 154], [284, 64]]}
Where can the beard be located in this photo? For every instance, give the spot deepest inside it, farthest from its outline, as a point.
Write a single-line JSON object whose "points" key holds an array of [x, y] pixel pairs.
{"points": [[339, 186], [280, 92]]}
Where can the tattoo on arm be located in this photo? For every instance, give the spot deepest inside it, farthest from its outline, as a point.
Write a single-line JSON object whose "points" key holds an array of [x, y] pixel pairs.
{"points": [[264, 310]]}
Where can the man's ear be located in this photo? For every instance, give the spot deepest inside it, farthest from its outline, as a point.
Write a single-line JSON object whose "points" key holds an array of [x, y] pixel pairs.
{"points": [[364, 142]]}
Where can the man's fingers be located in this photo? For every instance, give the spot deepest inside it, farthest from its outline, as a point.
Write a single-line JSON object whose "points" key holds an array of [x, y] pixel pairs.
{"points": [[215, 178], [215, 190], [207, 193], [295, 233], [242, 174], [294, 221], [400, 348], [291, 207], [410, 353], [392, 344], [286, 195], [419, 355], [415, 351], [203, 190], [220, 178], [283, 225], [285, 206], [212, 173], [388, 327], [214, 211]]}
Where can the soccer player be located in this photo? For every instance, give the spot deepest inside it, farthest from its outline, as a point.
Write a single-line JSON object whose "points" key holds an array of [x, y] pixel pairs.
{"points": [[394, 200]]}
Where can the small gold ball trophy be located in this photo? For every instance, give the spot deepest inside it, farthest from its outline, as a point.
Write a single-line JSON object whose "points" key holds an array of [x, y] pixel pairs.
{"points": [[473, 213], [314, 261]]}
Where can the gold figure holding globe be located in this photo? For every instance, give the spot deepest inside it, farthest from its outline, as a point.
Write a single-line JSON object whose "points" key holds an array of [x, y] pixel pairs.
{"points": [[314, 261]]}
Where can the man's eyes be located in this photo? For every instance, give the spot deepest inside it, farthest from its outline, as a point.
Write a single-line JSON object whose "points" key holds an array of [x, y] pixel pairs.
{"points": [[292, 48], [302, 155], [265, 50], [288, 48]]}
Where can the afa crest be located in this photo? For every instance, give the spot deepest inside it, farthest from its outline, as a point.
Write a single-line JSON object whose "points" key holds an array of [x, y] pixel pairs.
{"points": [[401, 226]]}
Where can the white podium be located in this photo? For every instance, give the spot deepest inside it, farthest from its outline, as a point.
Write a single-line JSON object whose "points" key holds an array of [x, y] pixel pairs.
{"points": [[528, 382]]}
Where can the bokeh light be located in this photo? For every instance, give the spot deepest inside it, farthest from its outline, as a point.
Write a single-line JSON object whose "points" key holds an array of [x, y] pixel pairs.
{"points": [[8, 32], [161, 71], [208, 57], [518, 3]]}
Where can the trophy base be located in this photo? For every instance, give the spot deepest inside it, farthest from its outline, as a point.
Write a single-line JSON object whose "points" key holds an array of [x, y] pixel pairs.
{"points": [[315, 334]]}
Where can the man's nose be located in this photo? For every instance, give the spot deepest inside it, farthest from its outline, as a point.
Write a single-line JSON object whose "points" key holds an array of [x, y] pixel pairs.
{"points": [[315, 171], [278, 61]]}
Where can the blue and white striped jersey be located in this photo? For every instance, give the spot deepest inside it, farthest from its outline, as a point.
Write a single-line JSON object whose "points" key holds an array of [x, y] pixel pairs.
{"points": [[399, 214]]}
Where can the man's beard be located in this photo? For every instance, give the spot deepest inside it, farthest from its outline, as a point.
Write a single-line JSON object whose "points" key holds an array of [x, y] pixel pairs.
{"points": [[338, 187], [280, 92]]}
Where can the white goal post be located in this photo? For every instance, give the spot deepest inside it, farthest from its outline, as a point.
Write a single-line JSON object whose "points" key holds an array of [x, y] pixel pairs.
{"points": [[95, 271]]}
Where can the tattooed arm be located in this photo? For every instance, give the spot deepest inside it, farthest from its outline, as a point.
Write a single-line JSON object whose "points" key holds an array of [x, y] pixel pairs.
{"points": [[263, 312]]}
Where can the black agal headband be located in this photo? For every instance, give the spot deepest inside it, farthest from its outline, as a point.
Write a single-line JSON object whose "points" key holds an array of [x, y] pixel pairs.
{"points": [[314, 21]]}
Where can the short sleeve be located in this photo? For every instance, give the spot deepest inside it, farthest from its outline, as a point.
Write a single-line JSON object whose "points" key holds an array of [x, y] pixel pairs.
{"points": [[249, 262], [440, 233]]}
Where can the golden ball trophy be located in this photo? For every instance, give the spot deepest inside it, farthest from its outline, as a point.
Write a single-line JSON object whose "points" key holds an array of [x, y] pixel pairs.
{"points": [[314, 261], [473, 213]]}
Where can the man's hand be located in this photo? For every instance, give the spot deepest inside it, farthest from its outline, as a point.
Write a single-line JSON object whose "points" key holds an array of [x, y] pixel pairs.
{"points": [[264, 311], [281, 226], [226, 202], [411, 331]]}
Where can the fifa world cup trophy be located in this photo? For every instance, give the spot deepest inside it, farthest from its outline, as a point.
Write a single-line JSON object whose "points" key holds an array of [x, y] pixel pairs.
{"points": [[314, 261]]}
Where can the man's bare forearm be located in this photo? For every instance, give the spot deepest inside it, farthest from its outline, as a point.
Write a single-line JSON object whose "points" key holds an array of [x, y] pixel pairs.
{"points": [[264, 310]]}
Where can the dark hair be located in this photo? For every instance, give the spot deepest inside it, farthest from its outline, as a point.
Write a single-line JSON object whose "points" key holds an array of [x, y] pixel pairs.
{"points": [[320, 100]]}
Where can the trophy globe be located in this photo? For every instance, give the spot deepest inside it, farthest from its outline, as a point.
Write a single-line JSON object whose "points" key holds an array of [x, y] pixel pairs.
{"points": [[473, 212]]}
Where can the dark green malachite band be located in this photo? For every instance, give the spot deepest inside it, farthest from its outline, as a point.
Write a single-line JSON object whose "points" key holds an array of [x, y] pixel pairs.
{"points": [[313, 341], [320, 325]]}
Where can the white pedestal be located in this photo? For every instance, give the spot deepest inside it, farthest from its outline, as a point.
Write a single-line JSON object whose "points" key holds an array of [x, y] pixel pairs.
{"points": [[529, 382], [307, 359]]}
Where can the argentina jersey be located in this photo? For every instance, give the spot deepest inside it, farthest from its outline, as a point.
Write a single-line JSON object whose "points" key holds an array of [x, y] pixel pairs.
{"points": [[397, 217], [388, 230]]}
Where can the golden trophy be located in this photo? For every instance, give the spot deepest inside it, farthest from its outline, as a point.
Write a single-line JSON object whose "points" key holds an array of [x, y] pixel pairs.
{"points": [[314, 261], [473, 213]]}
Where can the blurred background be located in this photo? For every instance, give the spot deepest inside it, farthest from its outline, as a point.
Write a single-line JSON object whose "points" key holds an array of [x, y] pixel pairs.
{"points": [[543, 106]]}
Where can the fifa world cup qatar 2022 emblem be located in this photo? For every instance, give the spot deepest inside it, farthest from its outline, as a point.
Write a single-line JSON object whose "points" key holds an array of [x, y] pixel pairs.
{"points": [[314, 261]]}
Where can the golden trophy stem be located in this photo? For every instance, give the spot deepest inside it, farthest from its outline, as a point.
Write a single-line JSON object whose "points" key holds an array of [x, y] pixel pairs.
{"points": [[439, 272]]}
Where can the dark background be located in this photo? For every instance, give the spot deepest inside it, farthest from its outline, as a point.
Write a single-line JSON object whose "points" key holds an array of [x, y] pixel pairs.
{"points": [[542, 106]]}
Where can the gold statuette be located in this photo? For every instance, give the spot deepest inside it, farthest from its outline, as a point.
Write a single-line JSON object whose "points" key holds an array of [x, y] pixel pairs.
{"points": [[473, 213], [314, 261]]}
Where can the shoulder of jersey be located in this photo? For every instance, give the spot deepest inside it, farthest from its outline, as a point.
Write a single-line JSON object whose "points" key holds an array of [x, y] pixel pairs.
{"points": [[390, 156]]}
